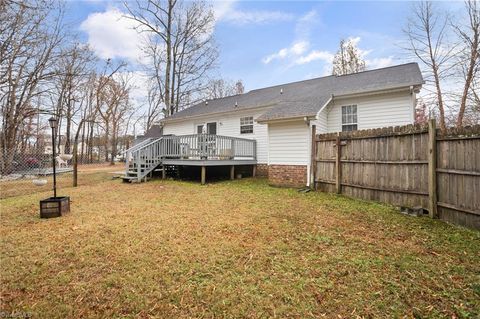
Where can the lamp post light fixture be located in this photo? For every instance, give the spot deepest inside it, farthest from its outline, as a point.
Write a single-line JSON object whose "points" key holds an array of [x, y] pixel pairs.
{"points": [[54, 206], [53, 124]]}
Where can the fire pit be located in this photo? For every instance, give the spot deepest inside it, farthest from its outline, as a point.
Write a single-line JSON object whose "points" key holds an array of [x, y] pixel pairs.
{"points": [[54, 207]]}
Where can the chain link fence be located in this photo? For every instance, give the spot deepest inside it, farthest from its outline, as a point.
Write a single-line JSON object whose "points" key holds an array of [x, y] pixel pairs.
{"points": [[31, 171]]}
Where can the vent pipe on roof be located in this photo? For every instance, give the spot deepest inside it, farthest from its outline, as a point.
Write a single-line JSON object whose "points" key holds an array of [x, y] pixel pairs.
{"points": [[281, 91], [206, 102], [236, 104]]}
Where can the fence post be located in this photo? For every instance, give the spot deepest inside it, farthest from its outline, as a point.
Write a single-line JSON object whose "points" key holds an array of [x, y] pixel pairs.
{"points": [[313, 158], [432, 168], [338, 165]]}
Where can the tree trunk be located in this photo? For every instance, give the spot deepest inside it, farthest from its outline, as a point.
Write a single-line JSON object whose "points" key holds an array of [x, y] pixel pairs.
{"points": [[75, 154], [114, 144], [168, 66]]}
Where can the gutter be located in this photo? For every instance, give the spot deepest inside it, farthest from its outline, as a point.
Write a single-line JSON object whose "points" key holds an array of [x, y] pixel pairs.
{"points": [[288, 119]]}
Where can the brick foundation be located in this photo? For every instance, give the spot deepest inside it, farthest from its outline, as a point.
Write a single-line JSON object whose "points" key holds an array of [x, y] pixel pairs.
{"points": [[287, 175], [262, 170]]}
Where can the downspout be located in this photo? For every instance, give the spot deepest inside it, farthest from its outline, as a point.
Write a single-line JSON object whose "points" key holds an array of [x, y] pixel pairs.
{"points": [[310, 176], [309, 162]]}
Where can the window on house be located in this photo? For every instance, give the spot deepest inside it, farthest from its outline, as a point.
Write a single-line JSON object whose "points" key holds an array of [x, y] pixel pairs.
{"points": [[211, 128], [349, 118], [246, 125]]}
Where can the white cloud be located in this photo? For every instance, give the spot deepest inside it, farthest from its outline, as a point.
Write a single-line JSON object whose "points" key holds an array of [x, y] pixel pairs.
{"points": [[256, 17], [299, 54], [221, 8], [299, 47], [315, 55], [295, 49], [226, 11], [377, 63], [301, 44], [111, 35], [305, 24], [139, 83]]}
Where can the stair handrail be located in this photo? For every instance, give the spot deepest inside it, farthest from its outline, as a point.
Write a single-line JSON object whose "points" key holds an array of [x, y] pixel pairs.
{"points": [[138, 145], [135, 154], [146, 145]]}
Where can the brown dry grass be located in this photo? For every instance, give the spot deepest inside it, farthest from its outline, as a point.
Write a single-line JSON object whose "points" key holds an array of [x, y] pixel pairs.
{"points": [[87, 175], [238, 249]]}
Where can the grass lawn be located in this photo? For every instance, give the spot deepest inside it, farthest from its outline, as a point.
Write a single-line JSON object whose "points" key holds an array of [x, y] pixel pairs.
{"points": [[240, 249], [87, 174]]}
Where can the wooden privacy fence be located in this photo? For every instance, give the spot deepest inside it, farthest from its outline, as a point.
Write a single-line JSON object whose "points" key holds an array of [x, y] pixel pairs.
{"points": [[410, 166]]}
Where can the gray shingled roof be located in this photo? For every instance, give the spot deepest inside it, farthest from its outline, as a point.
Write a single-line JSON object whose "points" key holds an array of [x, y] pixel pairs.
{"points": [[305, 98]]}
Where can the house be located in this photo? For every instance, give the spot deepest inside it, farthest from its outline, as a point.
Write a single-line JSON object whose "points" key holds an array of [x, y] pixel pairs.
{"points": [[274, 126]]}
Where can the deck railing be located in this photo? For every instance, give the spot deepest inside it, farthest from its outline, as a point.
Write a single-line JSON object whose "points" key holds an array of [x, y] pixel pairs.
{"points": [[207, 147], [145, 156]]}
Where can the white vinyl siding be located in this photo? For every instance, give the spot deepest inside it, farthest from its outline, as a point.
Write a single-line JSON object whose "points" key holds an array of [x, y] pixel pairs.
{"points": [[288, 143], [180, 128], [321, 123], [227, 125], [373, 111]]}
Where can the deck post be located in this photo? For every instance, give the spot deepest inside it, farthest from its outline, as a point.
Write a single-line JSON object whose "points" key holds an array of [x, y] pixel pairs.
{"points": [[232, 172], [164, 174], [203, 176], [254, 170]]}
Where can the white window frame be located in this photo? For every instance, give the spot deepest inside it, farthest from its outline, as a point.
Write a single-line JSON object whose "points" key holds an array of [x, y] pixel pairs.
{"points": [[245, 122], [349, 117]]}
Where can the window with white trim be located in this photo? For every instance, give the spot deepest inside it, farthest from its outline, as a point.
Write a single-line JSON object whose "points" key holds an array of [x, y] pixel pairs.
{"points": [[349, 118], [246, 125]]}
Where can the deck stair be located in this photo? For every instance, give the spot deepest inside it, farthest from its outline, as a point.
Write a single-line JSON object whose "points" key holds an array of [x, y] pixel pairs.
{"points": [[170, 151], [142, 159]]}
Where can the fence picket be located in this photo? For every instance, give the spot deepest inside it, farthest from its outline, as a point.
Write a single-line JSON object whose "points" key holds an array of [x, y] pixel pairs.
{"points": [[413, 166]]}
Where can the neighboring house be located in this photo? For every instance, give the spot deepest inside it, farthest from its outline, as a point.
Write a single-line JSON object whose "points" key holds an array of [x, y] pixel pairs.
{"points": [[153, 131], [281, 118], [48, 150]]}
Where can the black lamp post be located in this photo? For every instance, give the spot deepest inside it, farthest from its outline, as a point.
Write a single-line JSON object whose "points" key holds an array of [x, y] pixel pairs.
{"points": [[54, 206], [53, 124]]}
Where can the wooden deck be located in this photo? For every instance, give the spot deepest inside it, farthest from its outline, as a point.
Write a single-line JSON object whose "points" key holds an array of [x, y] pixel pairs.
{"points": [[188, 150]]}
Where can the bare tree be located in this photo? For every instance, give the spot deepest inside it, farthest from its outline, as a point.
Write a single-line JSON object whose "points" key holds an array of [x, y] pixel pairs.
{"points": [[30, 34], [156, 107], [426, 31], [74, 65], [469, 55], [180, 48], [239, 87], [421, 116], [219, 88], [348, 59], [113, 105]]}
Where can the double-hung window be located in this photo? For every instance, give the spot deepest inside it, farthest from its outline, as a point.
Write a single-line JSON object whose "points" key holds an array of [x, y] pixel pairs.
{"points": [[349, 118], [246, 125]]}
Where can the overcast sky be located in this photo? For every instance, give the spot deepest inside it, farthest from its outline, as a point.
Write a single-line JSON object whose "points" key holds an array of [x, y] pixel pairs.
{"points": [[269, 42]]}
